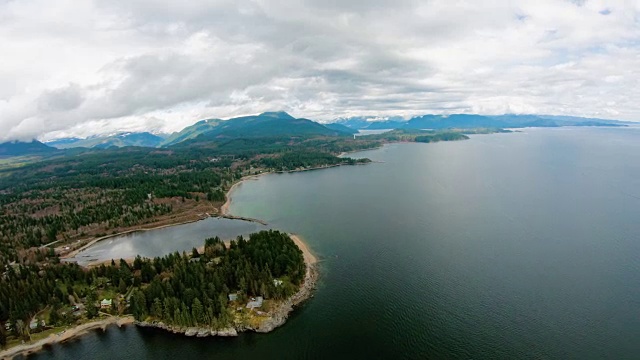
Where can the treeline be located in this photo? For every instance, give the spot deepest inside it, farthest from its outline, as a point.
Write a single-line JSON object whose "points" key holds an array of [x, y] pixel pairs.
{"points": [[441, 136], [302, 159], [415, 135], [177, 289]]}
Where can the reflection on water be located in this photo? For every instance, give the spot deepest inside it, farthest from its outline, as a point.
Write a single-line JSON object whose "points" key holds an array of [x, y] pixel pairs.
{"points": [[166, 240]]}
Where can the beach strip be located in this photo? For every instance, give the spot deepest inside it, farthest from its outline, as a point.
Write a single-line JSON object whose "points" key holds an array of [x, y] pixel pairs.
{"points": [[29, 348]]}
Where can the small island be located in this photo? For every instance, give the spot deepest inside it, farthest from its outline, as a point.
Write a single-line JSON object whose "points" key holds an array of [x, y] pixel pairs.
{"points": [[220, 289]]}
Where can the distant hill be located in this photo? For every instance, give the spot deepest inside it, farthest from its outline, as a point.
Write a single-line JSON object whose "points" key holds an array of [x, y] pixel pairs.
{"points": [[385, 124], [341, 128], [269, 124], [469, 121], [191, 132], [144, 139], [363, 122], [20, 148], [460, 121]]}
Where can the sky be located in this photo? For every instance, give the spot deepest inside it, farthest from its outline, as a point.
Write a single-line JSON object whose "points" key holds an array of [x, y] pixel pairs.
{"points": [[80, 68]]}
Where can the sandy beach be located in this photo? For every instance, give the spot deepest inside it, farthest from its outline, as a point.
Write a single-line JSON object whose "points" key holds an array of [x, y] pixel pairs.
{"points": [[29, 348], [309, 258]]}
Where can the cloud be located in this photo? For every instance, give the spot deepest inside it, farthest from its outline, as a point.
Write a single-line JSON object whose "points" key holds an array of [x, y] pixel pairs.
{"points": [[77, 69]]}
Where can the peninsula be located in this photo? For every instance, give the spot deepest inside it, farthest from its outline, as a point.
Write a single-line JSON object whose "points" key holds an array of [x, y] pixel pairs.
{"points": [[55, 207], [246, 285]]}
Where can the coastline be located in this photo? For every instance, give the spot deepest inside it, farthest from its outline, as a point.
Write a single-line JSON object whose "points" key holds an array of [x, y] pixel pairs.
{"points": [[276, 317], [222, 211], [65, 335]]}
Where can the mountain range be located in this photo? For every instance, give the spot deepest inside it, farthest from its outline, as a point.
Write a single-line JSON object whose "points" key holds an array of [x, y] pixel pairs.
{"points": [[103, 142], [19, 148], [278, 124], [469, 121], [268, 124]]}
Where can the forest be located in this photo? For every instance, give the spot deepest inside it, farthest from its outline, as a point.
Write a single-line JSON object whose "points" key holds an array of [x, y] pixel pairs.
{"points": [[179, 289], [99, 192]]}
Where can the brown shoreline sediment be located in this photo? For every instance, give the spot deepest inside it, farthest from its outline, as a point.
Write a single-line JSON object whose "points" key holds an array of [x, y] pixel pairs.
{"points": [[65, 335]]}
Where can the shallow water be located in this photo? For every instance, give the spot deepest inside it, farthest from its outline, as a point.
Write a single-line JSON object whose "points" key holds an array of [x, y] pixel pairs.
{"points": [[159, 242]]}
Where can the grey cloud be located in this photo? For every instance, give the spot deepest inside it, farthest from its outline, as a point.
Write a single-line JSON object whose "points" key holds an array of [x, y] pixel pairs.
{"points": [[61, 99], [150, 64]]}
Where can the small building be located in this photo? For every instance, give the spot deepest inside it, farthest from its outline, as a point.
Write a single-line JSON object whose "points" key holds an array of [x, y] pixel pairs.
{"points": [[255, 302], [106, 304], [277, 282], [35, 323], [233, 297]]}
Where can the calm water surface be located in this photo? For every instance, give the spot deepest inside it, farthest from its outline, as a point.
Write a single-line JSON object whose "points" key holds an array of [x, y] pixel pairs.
{"points": [[521, 245], [159, 242]]}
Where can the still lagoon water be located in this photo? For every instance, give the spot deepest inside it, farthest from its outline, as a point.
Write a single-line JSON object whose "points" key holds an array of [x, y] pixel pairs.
{"points": [[522, 245]]}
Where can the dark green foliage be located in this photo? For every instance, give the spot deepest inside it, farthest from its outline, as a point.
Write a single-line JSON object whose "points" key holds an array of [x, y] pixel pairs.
{"points": [[26, 289], [296, 160], [177, 289], [54, 315], [448, 136], [3, 337], [92, 309], [195, 292]]}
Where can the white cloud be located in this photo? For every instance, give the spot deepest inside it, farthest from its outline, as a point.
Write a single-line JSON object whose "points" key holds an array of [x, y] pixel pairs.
{"points": [[80, 68]]}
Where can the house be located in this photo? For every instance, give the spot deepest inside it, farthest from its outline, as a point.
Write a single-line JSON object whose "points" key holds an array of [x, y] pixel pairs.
{"points": [[255, 302], [233, 297], [106, 304], [35, 323]]}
